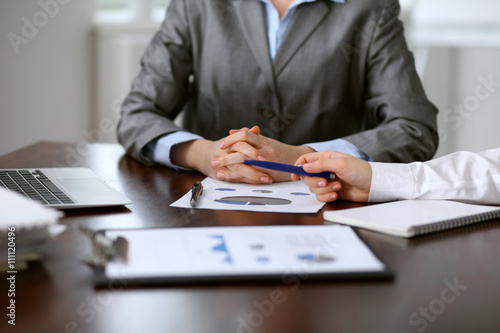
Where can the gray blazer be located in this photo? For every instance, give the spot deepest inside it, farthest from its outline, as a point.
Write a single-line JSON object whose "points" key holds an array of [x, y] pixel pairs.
{"points": [[342, 71]]}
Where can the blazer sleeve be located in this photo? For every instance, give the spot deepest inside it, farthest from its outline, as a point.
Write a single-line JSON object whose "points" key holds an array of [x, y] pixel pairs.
{"points": [[402, 119], [161, 89]]}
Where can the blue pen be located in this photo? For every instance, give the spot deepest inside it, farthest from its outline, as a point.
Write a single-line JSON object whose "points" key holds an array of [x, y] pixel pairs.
{"points": [[288, 168]]}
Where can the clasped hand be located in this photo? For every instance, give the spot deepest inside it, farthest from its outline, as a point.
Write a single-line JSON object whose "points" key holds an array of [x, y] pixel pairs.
{"points": [[223, 159], [353, 175], [249, 144]]}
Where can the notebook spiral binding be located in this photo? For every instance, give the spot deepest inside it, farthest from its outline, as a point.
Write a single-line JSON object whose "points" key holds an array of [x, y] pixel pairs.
{"points": [[454, 223], [104, 248]]}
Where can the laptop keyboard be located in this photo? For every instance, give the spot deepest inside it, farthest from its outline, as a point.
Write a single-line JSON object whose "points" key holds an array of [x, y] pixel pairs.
{"points": [[35, 186]]}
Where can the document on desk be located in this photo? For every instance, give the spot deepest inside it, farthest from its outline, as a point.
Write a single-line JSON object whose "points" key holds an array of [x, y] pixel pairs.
{"points": [[210, 254], [285, 197], [23, 213]]}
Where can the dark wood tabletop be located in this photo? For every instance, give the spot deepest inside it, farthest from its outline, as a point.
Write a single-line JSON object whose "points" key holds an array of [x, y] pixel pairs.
{"points": [[444, 282]]}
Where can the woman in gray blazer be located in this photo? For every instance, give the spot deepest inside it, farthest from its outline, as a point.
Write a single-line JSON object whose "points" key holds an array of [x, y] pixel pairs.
{"points": [[312, 75]]}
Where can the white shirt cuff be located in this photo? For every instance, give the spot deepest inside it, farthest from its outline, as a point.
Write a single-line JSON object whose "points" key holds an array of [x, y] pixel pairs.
{"points": [[391, 181]]}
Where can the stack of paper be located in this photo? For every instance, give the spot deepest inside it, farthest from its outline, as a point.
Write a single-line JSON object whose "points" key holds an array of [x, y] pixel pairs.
{"points": [[25, 227]]}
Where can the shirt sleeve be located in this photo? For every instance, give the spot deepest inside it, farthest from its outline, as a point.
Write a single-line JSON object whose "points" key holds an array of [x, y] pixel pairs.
{"points": [[463, 176], [159, 150], [341, 146]]}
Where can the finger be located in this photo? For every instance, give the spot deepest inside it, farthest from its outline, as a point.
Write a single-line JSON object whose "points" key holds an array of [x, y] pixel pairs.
{"points": [[314, 181], [312, 157], [233, 131], [238, 153], [239, 180], [252, 174], [242, 136], [320, 182], [243, 173], [246, 149], [321, 190], [327, 197], [226, 175], [229, 159], [255, 130], [325, 164], [310, 181]]}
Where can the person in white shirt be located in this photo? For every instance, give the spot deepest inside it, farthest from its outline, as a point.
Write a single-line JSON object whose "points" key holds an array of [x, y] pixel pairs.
{"points": [[464, 176]]}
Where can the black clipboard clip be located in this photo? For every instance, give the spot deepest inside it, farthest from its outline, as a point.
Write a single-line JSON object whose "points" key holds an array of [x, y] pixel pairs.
{"points": [[104, 248]]}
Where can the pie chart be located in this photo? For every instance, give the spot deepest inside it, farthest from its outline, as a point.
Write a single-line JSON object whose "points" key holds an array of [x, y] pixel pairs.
{"points": [[253, 201]]}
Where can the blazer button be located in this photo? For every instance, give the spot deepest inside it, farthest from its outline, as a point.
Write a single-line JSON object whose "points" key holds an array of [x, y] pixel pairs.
{"points": [[268, 113]]}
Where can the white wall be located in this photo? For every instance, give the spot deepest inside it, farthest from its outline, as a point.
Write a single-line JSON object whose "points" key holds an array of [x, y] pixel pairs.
{"points": [[118, 49], [469, 109], [46, 87], [464, 41]]}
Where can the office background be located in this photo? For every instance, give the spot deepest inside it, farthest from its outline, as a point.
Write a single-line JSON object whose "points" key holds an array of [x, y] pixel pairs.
{"points": [[66, 65]]}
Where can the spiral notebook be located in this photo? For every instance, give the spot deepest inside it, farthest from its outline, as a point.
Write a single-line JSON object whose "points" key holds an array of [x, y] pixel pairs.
{"points": [[409, 218]]}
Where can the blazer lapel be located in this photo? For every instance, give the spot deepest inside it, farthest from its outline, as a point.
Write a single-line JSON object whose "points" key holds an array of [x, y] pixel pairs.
{"points": [[306, 19], [253, 25]]}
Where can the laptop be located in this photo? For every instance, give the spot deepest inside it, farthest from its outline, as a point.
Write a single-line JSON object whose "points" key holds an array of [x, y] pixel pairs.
{"points": [[62, 188]]}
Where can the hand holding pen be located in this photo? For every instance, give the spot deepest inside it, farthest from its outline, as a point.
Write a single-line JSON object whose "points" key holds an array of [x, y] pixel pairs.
{"points": [[293, 169], [353, 176]]}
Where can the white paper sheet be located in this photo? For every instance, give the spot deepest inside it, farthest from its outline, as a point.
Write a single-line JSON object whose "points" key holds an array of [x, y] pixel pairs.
{"points": [[286, 197], [21, 212], [242, 251]]}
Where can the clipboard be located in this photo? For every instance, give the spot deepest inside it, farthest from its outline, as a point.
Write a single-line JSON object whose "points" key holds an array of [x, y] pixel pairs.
{"points": [[235, 254]]}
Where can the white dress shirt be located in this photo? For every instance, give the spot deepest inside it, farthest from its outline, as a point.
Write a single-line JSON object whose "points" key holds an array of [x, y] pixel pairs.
{"points": [[463, 176]]}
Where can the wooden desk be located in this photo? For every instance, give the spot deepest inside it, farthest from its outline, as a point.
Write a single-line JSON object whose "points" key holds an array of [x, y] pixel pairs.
{"points": [[58, 296]]}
